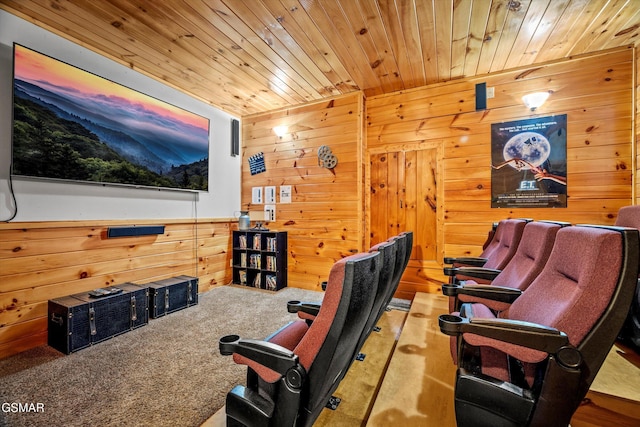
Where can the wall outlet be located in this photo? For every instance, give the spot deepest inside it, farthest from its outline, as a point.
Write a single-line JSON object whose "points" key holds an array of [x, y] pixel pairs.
{"points": [[491, 92]]}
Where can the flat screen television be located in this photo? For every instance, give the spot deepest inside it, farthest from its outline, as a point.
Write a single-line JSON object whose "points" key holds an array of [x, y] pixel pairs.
{"points": [[70, 124]]}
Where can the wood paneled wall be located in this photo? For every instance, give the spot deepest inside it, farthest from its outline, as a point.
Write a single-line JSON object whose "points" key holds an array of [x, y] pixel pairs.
{"points": [[594, 91], [324, 220], [637, 127], [40, 261]]}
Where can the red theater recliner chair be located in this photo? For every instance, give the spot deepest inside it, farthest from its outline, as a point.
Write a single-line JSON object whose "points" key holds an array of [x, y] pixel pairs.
{"points": [[497, 253], [629, 216], [506, 285], [291, 375], [395, 253], [534, 364], [404, 245]]}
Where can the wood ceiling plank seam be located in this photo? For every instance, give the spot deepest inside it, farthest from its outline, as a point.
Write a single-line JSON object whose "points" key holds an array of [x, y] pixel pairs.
{"points": [[616, 19], [547, 25], [109, 48], [407, 14], [375, 30], [596, 13], [175, 28], [322, 22], [317, 39], [304, 37], [630, 33], [298, 58], [443, 11], [393, 26], [509, 35], [241, 42], [569, 29], [356, 55], [625, 18], [365, 29], [477, 28], [255, 69], [495, 26], [427, 29], [114, 50], [134, 29], [221, 30], [247, 28], [526, 33], [460, 35]]}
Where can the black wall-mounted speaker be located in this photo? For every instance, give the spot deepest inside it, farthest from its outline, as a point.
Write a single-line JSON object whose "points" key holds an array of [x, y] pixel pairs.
{"points": [[134, 230], [481, 96], [235, 137]]}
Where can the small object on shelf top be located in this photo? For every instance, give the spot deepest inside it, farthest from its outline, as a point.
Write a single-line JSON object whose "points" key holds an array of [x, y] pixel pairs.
{"points": [[259, 227]]}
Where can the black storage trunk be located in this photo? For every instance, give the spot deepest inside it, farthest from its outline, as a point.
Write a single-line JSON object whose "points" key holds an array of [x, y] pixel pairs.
{"points": [[169, 295], [78, 321]]}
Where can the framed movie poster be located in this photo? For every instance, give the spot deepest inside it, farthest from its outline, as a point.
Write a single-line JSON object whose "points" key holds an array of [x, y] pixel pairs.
{"points": [[529, 163]]}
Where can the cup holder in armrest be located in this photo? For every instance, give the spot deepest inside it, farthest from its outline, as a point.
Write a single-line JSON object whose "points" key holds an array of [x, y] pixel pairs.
{"points": [[227, 344], [450, 290], [293, 306], [450, 324]]}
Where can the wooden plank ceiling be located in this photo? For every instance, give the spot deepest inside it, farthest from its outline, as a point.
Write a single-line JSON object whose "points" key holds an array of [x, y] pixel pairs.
{"points": [[251, 56]]}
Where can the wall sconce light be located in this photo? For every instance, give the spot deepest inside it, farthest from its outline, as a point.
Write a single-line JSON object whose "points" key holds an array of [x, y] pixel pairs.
{"points": [[280, 130], [535, 100]]}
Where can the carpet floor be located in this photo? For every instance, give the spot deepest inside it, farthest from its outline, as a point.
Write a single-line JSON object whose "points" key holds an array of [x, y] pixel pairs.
{"points": [[166, 373]]}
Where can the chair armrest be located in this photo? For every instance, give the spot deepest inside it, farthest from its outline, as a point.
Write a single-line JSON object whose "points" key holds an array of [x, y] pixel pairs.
{"points": [[478, 272], [468, 261], [494, 293], [311, 308], [490, 292], [269, 355], [452, 271], [525, 334]]}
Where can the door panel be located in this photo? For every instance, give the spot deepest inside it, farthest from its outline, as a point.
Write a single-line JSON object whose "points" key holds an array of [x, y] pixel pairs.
{"points": [[403, 198]]}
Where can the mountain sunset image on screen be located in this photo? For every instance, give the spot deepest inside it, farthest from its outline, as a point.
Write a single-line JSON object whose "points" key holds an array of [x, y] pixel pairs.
{"points": [[72, 124]]}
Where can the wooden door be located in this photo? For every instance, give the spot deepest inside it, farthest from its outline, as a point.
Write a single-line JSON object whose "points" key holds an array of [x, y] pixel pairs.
{"points": [[403, 198]]}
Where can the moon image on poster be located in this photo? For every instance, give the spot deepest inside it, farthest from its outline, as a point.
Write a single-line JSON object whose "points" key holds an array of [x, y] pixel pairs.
{"points": [[528, 146]]}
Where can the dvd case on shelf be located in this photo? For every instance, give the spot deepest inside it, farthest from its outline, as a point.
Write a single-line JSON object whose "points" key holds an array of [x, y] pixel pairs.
{"points": [[271, 263], [256, 281], [271, 282]]}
